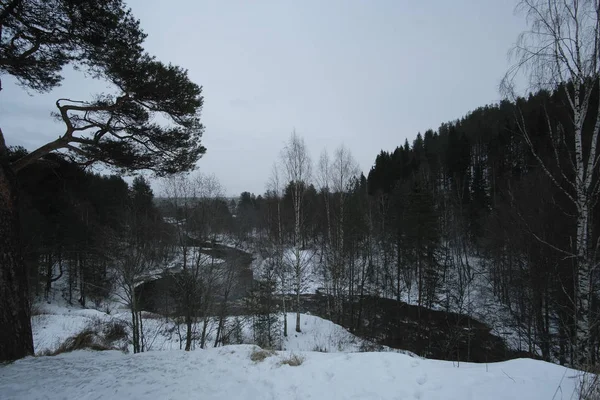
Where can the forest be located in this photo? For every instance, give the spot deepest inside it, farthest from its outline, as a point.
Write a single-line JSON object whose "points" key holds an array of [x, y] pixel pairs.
{"points": [[460, 210]]}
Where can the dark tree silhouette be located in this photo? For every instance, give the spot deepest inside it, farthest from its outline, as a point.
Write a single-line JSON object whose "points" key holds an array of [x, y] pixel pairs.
{"points": [[38, 38]]}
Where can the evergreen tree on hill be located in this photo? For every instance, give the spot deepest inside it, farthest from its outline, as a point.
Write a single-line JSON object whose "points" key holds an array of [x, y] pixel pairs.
{"points": [[40, 37]]}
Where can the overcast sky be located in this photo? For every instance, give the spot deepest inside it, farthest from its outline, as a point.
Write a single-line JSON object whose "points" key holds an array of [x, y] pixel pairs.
{"points": [[364, 73]]}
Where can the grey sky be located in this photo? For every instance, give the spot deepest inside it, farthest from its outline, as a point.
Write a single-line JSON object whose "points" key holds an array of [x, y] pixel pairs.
{"points": [[364, 73]]}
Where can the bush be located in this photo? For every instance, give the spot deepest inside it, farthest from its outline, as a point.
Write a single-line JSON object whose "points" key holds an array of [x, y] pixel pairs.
{"points": [[320, 349], [86, 339], [293, 360], [259, 354], [232, 332], [97, 335], [115, 330], [370, 347]]}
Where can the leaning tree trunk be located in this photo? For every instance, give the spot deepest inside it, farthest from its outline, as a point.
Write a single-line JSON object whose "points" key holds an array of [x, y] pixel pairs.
{"points": [[16, 340]]}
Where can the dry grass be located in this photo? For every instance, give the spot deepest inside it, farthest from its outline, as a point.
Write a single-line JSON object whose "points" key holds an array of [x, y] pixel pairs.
{"points": [[96, 336], [114, 330], [293, 360], [259, 354], [86, 339]]}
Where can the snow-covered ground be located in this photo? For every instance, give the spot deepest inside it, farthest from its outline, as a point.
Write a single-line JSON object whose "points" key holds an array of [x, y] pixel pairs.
{"points": [[229, 373], [477, 300], [333, 367], [54, 323]]}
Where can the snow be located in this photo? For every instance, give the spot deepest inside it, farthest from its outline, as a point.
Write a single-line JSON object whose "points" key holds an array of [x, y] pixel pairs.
{"points": [[309, 265], [333, 367], [228, 373], [55, 323], [478, 300]]}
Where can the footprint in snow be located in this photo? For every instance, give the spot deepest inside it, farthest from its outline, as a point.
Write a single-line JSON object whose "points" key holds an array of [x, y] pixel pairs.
{"points": [[422, 379]]}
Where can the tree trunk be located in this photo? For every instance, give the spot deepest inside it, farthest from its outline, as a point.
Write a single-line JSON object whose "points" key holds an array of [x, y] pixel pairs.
{"points": [[219, 329], [298, 265], [134, 337], [48, 276], [285, 332], [141, 332], [80, 264], [188, 336], [582, 187], [298, 314], [298, 289], [583, 286], [16, 339]]}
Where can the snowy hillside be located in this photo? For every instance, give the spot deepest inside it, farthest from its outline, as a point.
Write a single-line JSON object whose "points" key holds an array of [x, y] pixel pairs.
{"points": [[53, 324], [229, 373], [333, 367], [336, 371]]}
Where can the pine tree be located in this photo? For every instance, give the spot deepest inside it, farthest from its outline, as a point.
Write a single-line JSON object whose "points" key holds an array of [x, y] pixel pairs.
{"points": [[38, 39]]}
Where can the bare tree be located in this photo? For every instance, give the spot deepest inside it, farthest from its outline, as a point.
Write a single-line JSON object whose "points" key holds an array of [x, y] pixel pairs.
{"points": [[561, 51], [343, 170], [211, 275], [134, 259], [179, 192], [228, 279], [324, 182], [281, 268], [298, 170], [194, 200]]}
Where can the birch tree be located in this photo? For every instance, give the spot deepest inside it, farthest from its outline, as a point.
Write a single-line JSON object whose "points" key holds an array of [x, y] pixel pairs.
{"points": [[344, 169], [324, 182], [209, 271], [561, 51], [281, 271], [133, 261], [196, 281], [298, 168]]}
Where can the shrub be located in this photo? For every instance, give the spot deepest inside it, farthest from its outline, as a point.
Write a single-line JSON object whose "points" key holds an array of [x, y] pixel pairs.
{"points": [[97, 335], [86, 339], [259, 354], [115, 330], [370, 347], [320, 349], [293, 360]]}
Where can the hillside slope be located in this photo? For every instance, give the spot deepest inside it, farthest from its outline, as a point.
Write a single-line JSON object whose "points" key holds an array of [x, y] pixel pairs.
{"points": [[229, 373]]}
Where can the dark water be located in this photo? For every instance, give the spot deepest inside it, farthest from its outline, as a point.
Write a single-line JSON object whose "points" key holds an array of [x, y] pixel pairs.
{"points": [[156, 295], [428, 333]]}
